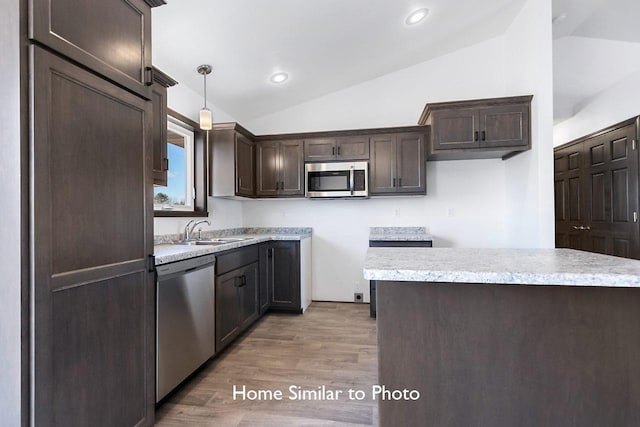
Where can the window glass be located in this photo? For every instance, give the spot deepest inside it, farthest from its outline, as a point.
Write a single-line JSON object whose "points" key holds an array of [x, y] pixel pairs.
{"points": [[178, 194]]}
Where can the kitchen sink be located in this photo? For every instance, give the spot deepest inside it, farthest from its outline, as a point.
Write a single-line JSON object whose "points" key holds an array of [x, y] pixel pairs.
{"points": [[214, 241]]}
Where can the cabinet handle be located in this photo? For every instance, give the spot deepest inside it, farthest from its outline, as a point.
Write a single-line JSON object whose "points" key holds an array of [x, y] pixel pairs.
{"points": [[333, 151], [484, 135], [165, 163], [399, 182], [475, 135], [243, 281], [394, 182], [270, 253], [148, 72]]}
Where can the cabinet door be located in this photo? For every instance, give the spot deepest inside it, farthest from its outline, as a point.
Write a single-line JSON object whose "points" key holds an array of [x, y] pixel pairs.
{"points": [[248, 287], [285, 275], [160, 161], [504, 126], [455, 128], [353, 148], [382, 177], [319, 149], [265, 277], [227, 309], [245, 165], [112, 38], [291, 168], [411, 163], [93, 298], [568, 192], [611, 193], [267, 168]]}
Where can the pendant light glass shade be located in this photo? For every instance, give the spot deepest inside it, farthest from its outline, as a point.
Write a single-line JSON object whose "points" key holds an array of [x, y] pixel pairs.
{"points": [[206, 117]]}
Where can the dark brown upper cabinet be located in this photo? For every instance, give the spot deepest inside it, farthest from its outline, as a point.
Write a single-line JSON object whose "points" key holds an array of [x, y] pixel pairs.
{"points": [[280, 168], [112, 38], [161, 82], [397, 164], [339, 148], [477, 129], [233, 160]]}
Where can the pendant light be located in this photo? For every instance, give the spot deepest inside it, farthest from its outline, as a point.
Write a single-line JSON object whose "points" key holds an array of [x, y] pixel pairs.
{"points": [[206, 118]]}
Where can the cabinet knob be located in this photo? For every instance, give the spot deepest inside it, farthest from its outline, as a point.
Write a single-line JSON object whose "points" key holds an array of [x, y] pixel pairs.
{"points": [[148, 72]]}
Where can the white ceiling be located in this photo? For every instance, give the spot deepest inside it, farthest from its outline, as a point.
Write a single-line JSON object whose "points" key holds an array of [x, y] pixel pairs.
{"points": [[595, 47], [324, 45]]}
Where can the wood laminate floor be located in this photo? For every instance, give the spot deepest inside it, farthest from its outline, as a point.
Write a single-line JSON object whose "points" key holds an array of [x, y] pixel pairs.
{"points": [[331, 345]]}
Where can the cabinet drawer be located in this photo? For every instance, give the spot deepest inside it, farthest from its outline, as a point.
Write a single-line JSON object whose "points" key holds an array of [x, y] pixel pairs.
{"points": [[236, 258]]}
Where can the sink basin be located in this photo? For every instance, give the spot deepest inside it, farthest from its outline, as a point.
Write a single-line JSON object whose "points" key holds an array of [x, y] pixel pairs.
{"points": [[213, 242]]}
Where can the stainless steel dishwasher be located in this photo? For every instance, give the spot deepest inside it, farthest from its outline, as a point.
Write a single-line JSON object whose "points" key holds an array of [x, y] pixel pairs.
{"points": [[185, 320]]}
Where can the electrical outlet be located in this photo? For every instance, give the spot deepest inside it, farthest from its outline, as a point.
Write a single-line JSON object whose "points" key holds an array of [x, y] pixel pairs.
{"points": [[357, 297]]}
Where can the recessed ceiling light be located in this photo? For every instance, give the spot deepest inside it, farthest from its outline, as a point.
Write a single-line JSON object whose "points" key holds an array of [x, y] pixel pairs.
{"points": [[279, 77], [417, 16]]}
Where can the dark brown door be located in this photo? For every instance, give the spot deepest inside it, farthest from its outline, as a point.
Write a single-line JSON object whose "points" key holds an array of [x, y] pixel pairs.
{"points": [[245, 165], [383, 164], [291, 168], [267, 168], [93, 293], [611, 193], [227, 308], [455, 128], [111, 37], [319, 149], [160, 161], [504, 126], [353, 148], [248, 287], [569, 204], [285, 275], [411, 165]]}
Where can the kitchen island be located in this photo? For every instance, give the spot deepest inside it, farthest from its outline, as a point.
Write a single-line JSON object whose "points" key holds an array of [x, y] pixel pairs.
{"points": [[506, 337]]}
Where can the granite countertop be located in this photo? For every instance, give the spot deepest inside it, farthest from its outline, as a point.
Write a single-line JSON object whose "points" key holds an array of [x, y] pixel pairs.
{"points": [[166, 252], [501, 266], [399, 234]]}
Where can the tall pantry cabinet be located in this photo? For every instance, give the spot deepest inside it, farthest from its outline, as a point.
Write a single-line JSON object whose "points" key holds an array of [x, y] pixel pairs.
{"points": [[91, 293]]}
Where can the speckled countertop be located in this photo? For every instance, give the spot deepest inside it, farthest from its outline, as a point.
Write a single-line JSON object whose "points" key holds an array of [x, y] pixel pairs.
{"points": [[395, 234], [166, 252], [501, 266]]}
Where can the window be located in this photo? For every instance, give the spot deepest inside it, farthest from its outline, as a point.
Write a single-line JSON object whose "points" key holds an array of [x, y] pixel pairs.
{"points": [[179, 192], [186, 190]]}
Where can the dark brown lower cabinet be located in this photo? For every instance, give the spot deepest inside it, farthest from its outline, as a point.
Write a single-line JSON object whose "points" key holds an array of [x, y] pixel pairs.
{"points": [[596, 192], [280, 276], [236, 297], [92, 284]]}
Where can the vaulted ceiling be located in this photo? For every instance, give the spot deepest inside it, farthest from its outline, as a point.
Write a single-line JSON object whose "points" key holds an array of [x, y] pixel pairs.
{"points": [[596, 45], [324, 45]]}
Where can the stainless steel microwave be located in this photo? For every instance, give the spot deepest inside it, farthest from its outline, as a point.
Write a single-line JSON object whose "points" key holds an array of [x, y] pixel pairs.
{"points": [[333, 180]]}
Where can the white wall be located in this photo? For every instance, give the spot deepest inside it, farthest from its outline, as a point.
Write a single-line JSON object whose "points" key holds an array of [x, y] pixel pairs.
{"points": [[11, 225], [341, 227], [529, 176], [614, 105]]}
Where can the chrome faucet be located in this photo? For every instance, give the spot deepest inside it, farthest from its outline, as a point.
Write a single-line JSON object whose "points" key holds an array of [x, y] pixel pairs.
{"points": [[188, 229]]}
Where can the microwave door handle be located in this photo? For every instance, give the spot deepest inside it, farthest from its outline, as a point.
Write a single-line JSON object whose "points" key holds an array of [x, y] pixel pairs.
{"points": [[352, 180]]}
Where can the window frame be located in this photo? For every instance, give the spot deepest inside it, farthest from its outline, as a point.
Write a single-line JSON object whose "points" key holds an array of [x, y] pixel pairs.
{"points": [[200, 169]]}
